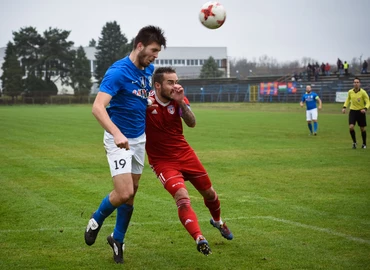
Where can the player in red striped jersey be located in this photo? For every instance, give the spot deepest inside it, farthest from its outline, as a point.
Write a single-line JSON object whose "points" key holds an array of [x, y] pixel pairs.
{"points": [[173, 160]]}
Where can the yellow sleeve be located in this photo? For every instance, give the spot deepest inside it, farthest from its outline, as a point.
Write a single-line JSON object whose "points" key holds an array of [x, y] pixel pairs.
{"points": [[366, 100], [345, 105]]}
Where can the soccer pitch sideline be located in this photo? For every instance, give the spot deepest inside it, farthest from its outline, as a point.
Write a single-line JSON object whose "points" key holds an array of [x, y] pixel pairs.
{"points": [[292, 201]]}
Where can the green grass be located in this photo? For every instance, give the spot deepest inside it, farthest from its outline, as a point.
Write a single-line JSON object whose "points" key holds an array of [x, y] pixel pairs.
{"points": [[293, 201]]}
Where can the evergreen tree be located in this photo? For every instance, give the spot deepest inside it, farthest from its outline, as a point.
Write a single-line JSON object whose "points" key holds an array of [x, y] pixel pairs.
{"points": [[210, 69], [48, 58], [56, 55], [80, 74], [92, 43], [12, 73], [112, 46], [27, 43]]}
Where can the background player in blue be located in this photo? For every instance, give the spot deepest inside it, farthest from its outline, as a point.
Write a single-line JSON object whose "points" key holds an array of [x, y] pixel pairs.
{"points": [[120, 108], [310, 98]]}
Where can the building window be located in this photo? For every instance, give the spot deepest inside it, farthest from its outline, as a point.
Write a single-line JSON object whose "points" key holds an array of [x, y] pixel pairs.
{"points": [[162, 62], [196, 62], [170, 62], [188, 62]]}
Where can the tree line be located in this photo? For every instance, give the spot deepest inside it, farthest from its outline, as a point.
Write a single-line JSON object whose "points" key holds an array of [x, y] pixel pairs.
{"points": [[33, 63]]}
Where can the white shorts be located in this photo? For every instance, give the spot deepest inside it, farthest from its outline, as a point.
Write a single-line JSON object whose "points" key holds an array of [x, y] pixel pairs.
{"points": [[311, 114], [125, 161]]}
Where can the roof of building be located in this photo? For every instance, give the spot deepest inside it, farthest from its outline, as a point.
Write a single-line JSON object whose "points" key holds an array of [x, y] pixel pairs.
{"points": [[179, 53], [193, 53]]}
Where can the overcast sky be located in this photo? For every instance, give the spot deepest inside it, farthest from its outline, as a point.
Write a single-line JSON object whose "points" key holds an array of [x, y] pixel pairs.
{"points": [[283, 29]]}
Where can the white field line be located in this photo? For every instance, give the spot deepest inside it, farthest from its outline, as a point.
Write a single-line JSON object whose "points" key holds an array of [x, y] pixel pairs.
{"points": [[288, 222]]}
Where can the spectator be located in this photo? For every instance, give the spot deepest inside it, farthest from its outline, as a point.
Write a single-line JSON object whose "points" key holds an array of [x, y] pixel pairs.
{"points": [[364, 67], [339, 67], [346, 67], [327, 69], [317, 72], [300, 77], [323, 69], [309, 72], [295, 76]]}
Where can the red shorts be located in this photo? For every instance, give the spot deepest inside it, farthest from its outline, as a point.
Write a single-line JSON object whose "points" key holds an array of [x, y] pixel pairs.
{"points": [[173, 173]]}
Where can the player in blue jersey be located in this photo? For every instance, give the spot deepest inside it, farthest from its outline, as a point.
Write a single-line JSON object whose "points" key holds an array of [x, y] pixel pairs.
{"points": [[311, 98], [120, 108]]}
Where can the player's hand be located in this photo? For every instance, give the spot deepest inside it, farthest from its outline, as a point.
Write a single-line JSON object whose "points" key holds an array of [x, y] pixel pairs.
{"points": [[343, 110], [151, 106], [363, 111], [178, 93], [121, 141]]}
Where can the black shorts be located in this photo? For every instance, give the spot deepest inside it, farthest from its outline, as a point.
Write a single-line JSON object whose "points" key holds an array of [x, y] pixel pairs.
{"points": [[357, 116]]}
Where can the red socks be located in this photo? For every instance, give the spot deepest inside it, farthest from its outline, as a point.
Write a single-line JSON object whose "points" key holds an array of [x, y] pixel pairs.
{"points": [[188, 217], [214, 208]]}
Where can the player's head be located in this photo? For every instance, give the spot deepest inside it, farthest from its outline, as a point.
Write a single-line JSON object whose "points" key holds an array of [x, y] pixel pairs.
{"points": [[165, 79], [356, 83], [308, 88], [147, 45]]}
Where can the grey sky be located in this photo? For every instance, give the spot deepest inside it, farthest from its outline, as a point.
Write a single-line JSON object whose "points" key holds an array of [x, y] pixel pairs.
{"points": [[282, 29]]}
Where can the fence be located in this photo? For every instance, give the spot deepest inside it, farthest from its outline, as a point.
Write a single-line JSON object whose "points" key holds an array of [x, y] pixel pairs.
{"points": [[220, 92], [252, 93]]}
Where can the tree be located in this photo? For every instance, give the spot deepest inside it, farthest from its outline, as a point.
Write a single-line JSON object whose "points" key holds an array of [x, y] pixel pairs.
{"points": [[48, 57], [56, 55], [80, 74], [27, 43], [12, 73], [112, 46], [37, 87], [92, 43], [210, 69]]}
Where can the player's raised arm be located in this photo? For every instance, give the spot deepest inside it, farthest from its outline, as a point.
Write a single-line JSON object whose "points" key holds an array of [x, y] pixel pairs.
{"points": [[185, 112]]}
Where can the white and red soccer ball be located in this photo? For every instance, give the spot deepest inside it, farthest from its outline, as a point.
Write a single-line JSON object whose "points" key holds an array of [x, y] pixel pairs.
{"points": [[212, 15]]}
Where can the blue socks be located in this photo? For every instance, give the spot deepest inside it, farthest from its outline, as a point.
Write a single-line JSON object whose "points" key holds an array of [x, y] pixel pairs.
{"points": [[315, 127], [310, 127], [124, 213], [104, 210]]}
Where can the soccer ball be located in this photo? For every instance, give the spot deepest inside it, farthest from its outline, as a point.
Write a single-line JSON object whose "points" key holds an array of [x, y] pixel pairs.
{"points": [[212, 15]]}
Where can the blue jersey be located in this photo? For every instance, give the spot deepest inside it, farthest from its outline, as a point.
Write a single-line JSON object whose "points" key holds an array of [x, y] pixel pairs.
{"points": [[129, 88], [310, 99]]}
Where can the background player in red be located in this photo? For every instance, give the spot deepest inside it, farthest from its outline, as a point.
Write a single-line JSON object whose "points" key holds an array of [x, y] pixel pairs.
{"points": [[172, 158]]}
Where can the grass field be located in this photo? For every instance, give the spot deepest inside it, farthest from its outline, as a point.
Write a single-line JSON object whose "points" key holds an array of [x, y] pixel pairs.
{"points": [[293, 201]]}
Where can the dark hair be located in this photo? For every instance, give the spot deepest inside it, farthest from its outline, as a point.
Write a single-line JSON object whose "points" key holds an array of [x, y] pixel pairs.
{"points": [[158, 73], [356, 78], [149, 34]]}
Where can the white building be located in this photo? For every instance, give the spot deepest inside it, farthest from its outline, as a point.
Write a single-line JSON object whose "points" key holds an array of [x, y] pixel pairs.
{"points": [[187, 61]]}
